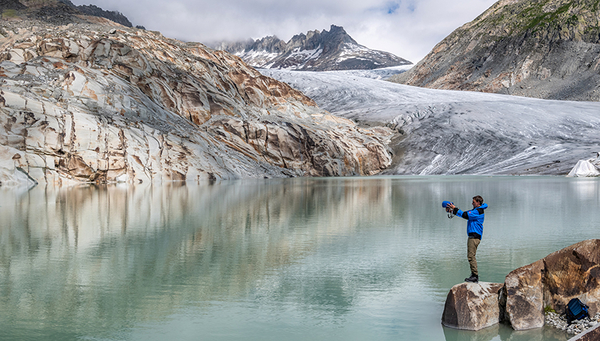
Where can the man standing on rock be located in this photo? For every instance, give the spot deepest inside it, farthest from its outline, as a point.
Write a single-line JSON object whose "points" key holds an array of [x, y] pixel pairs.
{"points": [[474, 231]]}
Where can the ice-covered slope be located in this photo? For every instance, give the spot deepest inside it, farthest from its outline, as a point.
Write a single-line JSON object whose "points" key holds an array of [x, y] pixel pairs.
{"points": [[454, 132]]}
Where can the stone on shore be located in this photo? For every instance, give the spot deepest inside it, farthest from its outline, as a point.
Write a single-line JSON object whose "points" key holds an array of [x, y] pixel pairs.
{"points": [[472, 306], [524, 296], [592, 334]]}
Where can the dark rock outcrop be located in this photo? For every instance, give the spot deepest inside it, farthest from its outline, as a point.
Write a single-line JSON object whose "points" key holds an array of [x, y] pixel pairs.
{"points": [[115, 16], [11, 5], [472, 306], [545, 49], [60, 12], [313, 51]]}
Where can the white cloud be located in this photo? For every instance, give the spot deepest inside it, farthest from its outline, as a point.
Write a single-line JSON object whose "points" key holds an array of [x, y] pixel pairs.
{"points": [[407, 28]]}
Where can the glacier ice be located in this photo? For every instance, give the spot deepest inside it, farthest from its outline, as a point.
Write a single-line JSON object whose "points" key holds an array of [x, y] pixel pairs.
{"points": [[459, 132]]}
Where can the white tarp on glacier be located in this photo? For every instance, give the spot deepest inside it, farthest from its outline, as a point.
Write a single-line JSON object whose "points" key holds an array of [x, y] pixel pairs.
{"points": [[584, 168]]}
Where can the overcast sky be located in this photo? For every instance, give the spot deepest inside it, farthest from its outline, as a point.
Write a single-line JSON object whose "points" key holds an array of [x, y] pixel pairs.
{"points": [[407, 28]]}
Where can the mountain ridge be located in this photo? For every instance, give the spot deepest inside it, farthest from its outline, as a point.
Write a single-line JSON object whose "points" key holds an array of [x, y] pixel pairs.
{"points": [[314, 51], [545, 49], [59, 12]]}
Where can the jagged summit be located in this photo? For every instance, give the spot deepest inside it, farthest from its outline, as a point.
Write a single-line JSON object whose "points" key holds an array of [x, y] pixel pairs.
{"points": [[536, 48], [314, 51], [58, 12]]}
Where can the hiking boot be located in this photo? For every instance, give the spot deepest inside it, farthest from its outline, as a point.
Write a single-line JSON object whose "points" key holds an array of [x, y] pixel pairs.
{"points": [[472, 279]]}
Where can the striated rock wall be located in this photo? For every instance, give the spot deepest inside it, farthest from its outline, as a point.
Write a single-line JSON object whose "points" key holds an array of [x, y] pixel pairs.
{"points": [[98, 103]]}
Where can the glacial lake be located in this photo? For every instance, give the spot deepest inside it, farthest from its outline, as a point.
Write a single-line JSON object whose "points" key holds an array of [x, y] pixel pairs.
{"points": [[285, 259]]}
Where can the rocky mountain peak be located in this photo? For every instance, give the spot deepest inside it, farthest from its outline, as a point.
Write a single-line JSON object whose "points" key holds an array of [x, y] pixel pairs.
{"points": [[544, 49], [315, 51]]}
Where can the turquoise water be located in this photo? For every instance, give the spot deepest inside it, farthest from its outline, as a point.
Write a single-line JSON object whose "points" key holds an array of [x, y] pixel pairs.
{"points": [[294, 259]]}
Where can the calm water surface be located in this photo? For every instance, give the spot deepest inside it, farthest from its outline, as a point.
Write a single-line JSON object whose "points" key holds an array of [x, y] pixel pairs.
{"points": [[294, 259]]}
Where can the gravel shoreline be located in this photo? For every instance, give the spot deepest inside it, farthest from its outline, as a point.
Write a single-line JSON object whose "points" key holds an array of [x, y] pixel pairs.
{"points": [[576, 327]]}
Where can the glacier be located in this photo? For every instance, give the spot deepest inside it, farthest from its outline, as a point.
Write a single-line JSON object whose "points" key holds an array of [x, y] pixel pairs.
{"points": [[459, 132]]}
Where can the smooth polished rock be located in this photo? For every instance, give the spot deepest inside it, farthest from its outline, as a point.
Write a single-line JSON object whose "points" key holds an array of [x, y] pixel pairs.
{"points": [[80, 105], [472, 306]]}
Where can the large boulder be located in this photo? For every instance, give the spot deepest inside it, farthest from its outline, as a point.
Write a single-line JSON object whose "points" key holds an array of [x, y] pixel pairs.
{"points": [[472, 306], [524, 307], [573, 272], [552, 282]]}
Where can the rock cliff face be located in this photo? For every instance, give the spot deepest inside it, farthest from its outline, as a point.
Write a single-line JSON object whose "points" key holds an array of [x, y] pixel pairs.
{"points": [[545, 49], [58, 11], [314, 51], [98, 103]]}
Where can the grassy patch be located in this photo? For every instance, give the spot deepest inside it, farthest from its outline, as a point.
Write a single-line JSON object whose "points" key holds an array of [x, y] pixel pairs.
{"points": [[549, 18], [9, 13]]}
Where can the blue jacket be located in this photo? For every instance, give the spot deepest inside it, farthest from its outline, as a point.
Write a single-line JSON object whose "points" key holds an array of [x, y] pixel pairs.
{"points": [[475, 218]]}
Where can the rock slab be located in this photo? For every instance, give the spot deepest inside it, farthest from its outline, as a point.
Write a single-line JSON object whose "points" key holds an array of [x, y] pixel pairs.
{"points": [[472, 306]]}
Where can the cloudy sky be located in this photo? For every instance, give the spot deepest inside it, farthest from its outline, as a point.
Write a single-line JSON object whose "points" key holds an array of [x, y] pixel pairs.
{"points": [[407, 28]]}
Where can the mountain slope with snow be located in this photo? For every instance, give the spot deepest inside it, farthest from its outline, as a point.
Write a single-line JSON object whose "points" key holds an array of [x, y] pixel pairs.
{"points": [[459, 132], [315, 51]]}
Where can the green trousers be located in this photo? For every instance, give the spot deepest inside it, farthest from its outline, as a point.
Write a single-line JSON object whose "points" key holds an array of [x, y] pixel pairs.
{"points": [[472, 245]]}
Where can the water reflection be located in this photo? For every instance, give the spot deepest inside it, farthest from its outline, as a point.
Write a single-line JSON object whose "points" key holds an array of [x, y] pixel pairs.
{"points": [[347, 257], [503, 332], [126, 254]]}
